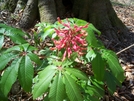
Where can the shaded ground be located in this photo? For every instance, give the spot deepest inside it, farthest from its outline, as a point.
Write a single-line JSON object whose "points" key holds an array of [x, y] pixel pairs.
{"points": [[126, 58]]}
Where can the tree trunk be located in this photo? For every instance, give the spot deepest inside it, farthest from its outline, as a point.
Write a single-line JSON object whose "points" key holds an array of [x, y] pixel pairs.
{"points": [[20, 5], [98, 12], [30, 14], [102, 15], [47, 11]]}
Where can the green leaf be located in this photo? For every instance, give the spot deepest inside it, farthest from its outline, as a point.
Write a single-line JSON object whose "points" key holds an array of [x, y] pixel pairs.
{"points": [[72, 89], [5, 58], [16, 37], [45, 78], [47, 32], [98, 66], [91, 26], [113, 64], [90, 54], [98, 87], [77, 73], [91, 39], [111, 82], [26, 72], [9, 77], [1, 41], [34, 58], [14, 48], [57, 90], [2, 96]]}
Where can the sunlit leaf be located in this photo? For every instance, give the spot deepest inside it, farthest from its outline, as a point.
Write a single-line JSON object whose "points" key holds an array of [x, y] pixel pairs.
{"points": [[9, 77], [90, 54], [26, 72], [77, 73], [5, 58], [113, 64], [57, 90], [72, 89], [45, 77], [35, 58]]}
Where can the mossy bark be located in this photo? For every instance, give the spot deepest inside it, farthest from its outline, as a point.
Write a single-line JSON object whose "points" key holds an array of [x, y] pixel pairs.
{"points": [[47, 11]]}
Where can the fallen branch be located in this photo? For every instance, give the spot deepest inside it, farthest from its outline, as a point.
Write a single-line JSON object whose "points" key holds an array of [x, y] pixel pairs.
{"points": [[124, 49]]}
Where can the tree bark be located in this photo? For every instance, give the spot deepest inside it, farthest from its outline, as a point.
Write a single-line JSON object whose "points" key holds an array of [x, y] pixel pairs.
{"points": [[9, 5], [20, 5], [30, 14], [47, 11]]}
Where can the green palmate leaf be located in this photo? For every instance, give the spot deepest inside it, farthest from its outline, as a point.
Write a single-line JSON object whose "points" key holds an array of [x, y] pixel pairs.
{"points": [[45, 78], [5, 58], [98, 87], [26, 72], [113, 64], [90, 54], [91, 39], [98, 66], [91, 26], [72, 89], [1, 40], [14, 48], [3, 25], [92, 98], [78, 21], [77, 73], [93, 93], [111, 82], [47, 32], [12, 29], [2, 31], [16, 37], [9, 77], [34, 58], [57, 90]]}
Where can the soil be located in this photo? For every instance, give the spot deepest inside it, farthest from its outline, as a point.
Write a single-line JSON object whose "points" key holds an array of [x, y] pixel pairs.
{"points": [[125, 53]]}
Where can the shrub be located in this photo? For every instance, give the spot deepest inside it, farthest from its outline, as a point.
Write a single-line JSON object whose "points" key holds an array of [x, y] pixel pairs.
{"points": [[56, 70]]}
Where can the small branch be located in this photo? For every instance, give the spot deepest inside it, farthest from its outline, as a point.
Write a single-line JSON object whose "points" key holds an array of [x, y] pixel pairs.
{"points": [[125, 49]]}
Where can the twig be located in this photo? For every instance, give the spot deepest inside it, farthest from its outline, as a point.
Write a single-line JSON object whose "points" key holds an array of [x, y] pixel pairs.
{"points": [[124, 49]]}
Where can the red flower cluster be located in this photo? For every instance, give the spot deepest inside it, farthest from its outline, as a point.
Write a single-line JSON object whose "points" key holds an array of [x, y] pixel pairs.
{"points": [[71, 39]]}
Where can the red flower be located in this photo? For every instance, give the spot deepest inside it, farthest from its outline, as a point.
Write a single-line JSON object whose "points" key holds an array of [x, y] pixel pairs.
{"points": [[71, 39]]}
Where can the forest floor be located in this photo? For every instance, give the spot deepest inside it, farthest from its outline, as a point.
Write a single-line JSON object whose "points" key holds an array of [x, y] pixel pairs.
{"points": [[126, 58], [125, 55]]}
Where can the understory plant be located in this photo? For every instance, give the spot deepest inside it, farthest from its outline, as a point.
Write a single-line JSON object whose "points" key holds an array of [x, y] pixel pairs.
{"points": [[72, 66]]}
